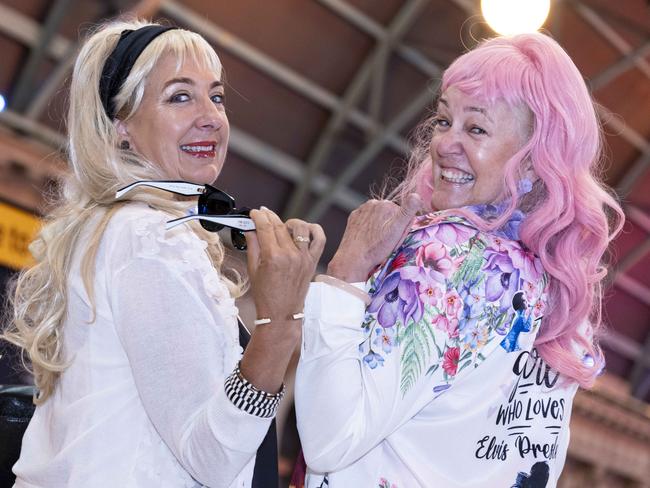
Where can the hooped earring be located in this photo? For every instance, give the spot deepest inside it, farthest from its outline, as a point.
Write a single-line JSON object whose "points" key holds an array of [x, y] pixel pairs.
{"points": [[124, 145]]}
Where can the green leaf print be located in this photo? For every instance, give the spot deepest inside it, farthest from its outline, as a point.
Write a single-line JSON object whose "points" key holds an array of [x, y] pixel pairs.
{"points": [[416, 351], [470, 268]]}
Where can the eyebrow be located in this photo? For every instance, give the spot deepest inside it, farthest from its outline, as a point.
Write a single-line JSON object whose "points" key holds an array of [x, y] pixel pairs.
{"points": [[189, 81], [469, 108]]}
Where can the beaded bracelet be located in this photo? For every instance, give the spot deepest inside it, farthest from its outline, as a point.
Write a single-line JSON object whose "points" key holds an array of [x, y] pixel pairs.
{"points": [[250, 399]]}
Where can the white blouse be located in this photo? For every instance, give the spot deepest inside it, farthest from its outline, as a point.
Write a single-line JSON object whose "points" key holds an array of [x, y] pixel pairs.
{"points": [[437, 384], [142, 402]]}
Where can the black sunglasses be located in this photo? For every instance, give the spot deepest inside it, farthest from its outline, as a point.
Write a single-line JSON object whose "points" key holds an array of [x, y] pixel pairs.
{"points": [[216, 209]]}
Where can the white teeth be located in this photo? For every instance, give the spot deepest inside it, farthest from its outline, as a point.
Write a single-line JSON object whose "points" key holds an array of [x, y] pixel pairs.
{"points": [[455, 176], [198, 148]]}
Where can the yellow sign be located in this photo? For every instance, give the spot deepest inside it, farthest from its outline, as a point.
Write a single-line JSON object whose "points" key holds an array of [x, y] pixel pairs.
{"points": [[17, 229]]}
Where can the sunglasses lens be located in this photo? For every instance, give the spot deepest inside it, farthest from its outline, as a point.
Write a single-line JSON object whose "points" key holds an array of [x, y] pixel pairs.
{"points": [[214, 202], [238, 239]]}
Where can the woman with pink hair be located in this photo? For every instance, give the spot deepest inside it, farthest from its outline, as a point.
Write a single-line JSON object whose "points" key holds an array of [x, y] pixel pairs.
{"points": [[481, 315]]}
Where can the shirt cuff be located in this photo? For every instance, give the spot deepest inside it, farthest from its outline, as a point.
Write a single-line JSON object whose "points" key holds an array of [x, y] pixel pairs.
{"points": [[333, 319], [236, 429]]}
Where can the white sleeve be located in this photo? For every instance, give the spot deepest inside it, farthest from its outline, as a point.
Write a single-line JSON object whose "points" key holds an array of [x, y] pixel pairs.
{"points": [[171, 336], [342, 411]]}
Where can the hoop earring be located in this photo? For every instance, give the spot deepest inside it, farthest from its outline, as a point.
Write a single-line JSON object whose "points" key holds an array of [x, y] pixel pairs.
{"points": [[125, 145]]}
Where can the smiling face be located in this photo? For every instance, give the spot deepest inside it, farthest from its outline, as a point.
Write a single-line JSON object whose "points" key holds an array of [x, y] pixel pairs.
{"points": [[470, 145], [181, 123]]}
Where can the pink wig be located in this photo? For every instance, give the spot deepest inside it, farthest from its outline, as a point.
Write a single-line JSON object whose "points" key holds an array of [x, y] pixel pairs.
{"points": [[571, 216]]}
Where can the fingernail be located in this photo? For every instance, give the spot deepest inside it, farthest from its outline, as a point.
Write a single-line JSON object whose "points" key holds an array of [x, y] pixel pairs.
{"points": [[263, 208]]}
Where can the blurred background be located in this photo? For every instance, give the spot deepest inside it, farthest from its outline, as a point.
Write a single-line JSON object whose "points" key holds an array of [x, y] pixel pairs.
{"points": [[322, 96]]}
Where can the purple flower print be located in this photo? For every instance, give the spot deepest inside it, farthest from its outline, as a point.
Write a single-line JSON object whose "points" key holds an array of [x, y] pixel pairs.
{"points": [[410, 296], [386, 302], [452, 234], [502, 277], [447, 233], [524, 261], [491, 212], [507, 265], [397, 299]]}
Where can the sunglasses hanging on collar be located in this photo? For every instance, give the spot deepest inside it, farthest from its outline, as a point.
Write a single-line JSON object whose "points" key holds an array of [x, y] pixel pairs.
{"points": [[216, 209]]}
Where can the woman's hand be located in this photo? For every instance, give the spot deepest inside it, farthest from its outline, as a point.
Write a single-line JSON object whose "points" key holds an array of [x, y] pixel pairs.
{"points": [[281, 263], [372, 233]]}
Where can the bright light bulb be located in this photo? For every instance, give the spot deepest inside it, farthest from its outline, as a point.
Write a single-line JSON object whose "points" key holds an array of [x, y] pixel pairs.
{"points": [[509, 17], [3, 104]]}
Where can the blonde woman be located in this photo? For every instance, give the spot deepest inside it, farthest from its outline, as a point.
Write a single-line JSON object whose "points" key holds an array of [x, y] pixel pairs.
{"points": [[129, 325]]}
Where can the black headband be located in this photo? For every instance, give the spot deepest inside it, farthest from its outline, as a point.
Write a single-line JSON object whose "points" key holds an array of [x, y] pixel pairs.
{"points": [[119, 64]]}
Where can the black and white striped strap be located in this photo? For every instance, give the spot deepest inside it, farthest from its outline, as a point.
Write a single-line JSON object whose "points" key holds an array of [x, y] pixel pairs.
{"points": [[250, 399]]}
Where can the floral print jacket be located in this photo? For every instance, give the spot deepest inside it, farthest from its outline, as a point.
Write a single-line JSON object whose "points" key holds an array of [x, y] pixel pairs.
{"points": [[437, 382], [448, 292]]}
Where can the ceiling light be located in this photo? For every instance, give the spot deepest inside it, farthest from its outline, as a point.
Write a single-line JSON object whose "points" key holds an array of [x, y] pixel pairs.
{"points": [[509, 17], [3, 103]]}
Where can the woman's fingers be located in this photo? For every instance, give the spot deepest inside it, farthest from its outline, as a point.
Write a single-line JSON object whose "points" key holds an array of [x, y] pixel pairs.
{"points": [[252, 252], [282, 236], [317, 243], [412, 204], [264, 227], [307, 237], [300, 233], [373, 231]]}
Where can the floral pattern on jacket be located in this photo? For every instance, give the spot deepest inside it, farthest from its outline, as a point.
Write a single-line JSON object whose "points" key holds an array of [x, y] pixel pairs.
{"points": [[445, 294]]}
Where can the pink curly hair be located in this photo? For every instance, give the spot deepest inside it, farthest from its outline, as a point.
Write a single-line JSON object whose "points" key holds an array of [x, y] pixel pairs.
{"points": [[571, 215]]}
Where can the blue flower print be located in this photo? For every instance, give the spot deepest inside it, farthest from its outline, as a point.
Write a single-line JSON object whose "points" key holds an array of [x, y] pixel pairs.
{"points": [[372, 359]]}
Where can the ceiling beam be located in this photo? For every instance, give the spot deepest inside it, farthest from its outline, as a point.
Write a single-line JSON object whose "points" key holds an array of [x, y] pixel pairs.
{"points": [[24, 86], [470, 7], [379, 32], [42, 97], [634, 174], [621, 66], [386, 39], [633, 287], [641, 219], [25, 29], [639, 383], [639, 376], [378, 84], [288, 167], [37, 131], [610, 34], [623, 345], [622, 129], [406, 116]]}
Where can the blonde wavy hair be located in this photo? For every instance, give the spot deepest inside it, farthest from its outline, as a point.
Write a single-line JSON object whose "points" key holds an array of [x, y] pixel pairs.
{"points": [[38, 300]]}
